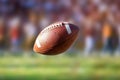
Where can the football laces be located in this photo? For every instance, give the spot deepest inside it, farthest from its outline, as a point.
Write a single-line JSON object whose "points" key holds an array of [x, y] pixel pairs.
{"points": [[58, 24]]}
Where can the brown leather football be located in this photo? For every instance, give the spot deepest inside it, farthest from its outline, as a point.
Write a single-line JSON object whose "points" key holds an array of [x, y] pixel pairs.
{"points": [[56, 38]]}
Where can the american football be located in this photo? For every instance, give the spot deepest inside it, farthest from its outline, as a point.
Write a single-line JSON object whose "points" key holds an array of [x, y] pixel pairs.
{"points": [[56, 38]]}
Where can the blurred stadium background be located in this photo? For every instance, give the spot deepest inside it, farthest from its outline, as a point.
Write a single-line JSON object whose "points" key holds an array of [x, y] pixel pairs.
{"points": [[95, 54]]}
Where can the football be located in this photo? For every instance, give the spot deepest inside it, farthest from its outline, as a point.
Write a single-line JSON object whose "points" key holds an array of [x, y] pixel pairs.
{"points": [[56, 38]]}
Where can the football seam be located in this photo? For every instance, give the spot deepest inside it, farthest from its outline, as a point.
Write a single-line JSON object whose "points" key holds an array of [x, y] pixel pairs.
{"points": [[52, 26]]}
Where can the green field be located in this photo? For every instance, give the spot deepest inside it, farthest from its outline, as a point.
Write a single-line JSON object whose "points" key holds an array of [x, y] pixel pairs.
{"points": [[61, 67]]}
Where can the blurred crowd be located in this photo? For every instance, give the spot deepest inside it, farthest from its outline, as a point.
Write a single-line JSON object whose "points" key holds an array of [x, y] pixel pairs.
{"points": [[98, 20]]}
